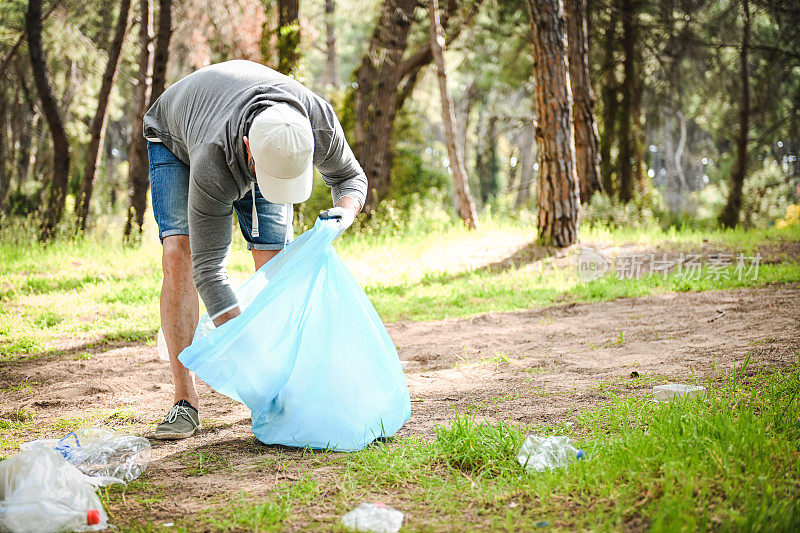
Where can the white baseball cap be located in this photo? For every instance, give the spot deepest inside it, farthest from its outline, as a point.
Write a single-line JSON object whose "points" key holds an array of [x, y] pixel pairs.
{"points": [[282, 145]]}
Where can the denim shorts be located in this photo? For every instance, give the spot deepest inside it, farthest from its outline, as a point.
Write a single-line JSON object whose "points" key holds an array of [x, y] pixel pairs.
{"points": [[169, 190]]}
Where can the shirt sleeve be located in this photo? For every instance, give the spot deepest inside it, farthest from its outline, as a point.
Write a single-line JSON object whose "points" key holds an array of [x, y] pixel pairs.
{"points": [[340, 169], [210, 239]]}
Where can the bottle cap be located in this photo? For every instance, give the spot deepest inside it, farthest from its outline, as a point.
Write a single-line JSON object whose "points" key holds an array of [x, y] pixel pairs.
{"points": [[93, 517]]}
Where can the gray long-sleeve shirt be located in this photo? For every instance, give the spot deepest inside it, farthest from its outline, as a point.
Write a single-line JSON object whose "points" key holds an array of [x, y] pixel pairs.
{"points": [[202, 119]]}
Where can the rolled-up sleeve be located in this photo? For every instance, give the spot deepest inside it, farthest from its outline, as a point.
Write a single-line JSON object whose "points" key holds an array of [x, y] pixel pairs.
{"points": [[210, 239], [340, 169]]}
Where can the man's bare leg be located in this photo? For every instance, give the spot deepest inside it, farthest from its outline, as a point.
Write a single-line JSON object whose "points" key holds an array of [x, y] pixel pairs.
{"points": [[179, 312], [260, 257]]}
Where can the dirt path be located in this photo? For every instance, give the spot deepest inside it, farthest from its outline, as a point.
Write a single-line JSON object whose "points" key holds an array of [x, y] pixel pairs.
{"points": [[531, 366]]}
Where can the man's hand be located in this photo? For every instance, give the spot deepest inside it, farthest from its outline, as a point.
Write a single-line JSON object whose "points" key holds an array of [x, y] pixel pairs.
{"points": [[345, 212]]}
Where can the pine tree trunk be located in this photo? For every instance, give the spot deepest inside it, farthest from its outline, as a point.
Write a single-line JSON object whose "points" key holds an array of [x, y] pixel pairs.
{"points": [[58, 190], [288, 35], [609, 94], [331, 56], [558, 184], [5, 175], [161, 52], [527, 159], [626, 133], [466, 205], [378, 77], [138, 168], [587, 162], [94, 151], [730, 214]]}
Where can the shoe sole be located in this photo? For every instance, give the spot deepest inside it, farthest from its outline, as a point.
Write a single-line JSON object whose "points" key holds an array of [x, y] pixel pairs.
{"points": [[173, 436]]}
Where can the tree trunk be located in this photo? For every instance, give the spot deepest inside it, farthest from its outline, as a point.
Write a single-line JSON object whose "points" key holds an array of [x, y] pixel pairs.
{"points": [[5, 175], [625, 132], [730, 214], [527, 159], [58, 190], [609, 95], [384, 82], [161, 53], [378, 77], [587, 156], [288, 35], [94, 152], [138, 170], [466, 205], [331, 57], [558, 184]]}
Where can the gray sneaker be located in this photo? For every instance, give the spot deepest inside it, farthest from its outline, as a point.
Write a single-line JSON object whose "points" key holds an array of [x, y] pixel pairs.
{"points": [[180, 422]]}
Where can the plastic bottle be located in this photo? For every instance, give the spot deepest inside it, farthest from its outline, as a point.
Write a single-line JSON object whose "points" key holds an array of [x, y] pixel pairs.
{"points": [[102, 453], [663, 393], [44, 515], [374, 517], [545, 453]]}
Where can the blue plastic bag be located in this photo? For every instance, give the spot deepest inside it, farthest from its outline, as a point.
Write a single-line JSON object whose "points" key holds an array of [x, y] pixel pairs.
{"points": [[308, 355]]}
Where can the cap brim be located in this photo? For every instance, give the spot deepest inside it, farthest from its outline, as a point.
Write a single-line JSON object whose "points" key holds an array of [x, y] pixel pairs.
{"points": [[282, 190]]}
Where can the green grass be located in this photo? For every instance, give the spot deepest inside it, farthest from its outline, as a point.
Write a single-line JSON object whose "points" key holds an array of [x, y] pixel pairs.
{"points": [[101, 293]]}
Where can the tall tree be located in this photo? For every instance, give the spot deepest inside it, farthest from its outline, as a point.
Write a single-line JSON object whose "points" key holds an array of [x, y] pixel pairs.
{"points": [[627, 125], [58, 190], [331, 57], [288, 35], [587, 162], [94, 151], [161, 52], [466, 205], [558, 185], [138, 172], [385, 79], [730, 214], [609, 96]]}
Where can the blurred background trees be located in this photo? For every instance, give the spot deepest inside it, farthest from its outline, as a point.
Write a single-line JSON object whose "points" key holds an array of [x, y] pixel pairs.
{"points": [[682, 111]]}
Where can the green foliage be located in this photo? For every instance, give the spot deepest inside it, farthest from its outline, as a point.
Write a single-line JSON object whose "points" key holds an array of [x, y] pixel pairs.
{"points": [[765, 196], [606, 210]]}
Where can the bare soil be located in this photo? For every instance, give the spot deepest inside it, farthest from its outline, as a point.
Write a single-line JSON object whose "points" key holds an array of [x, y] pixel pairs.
{"points": [[529, 367]]}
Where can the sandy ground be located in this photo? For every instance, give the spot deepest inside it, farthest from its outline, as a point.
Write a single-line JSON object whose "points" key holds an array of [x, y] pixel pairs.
{"points": [[532, 366]]}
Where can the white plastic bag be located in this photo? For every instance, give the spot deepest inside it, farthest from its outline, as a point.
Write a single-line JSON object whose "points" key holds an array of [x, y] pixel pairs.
{"points": [[374, 517], [40, 492], [106, 455]]}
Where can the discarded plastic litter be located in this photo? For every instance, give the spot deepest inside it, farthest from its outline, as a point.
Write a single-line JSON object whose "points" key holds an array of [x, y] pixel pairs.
{"points": [[102, 453], [542, 453], [40, 492], [375, 517], [161, 344], [663, 393]]}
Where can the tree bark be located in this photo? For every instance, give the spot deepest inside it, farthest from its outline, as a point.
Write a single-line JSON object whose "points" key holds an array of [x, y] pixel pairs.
{"points": [[466, 205], [161, 52], [331, 56], [730, 214], [138, 171], [385, 80], [627, 141], [610, 98], [58, 189], [94, 151], [558, 185], [587, 156], [288, 35], [527, 159]]}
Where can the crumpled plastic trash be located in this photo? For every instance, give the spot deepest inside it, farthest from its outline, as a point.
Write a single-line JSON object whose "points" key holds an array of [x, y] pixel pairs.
{"points": [[374, 517], [105, 454], [546, 453], [40, 492], [664, 393]]}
